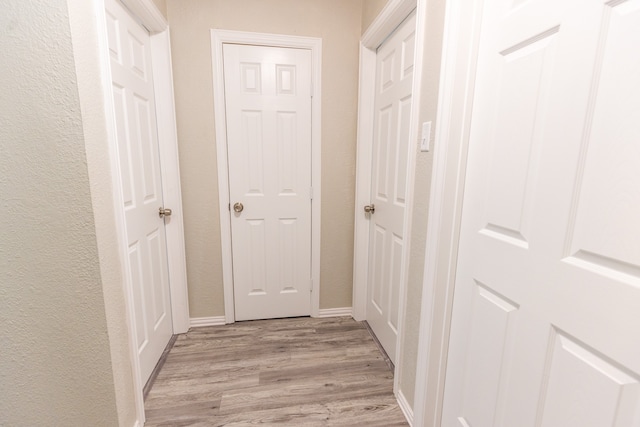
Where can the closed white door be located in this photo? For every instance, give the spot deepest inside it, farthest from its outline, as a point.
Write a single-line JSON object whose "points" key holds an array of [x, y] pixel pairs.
{"points": [[268, 110], [391, 145], [546, 322], [135, 117]]}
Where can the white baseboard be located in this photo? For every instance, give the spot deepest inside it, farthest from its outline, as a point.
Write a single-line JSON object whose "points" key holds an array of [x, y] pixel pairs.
{"points": [[405, 407], [197, 322], [334, 312]]}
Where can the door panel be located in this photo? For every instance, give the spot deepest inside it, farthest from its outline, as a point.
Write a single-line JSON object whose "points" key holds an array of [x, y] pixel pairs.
{"points": [[268, 110], [394, 80], [139, 164], [607, 394], [547, 300]]}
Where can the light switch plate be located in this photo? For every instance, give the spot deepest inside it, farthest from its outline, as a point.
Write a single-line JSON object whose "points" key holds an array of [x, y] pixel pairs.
{"points": [[425, 140]]}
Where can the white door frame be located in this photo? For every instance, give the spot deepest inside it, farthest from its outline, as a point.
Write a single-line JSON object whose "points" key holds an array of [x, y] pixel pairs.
{"points": [[457, 78], [151, 18], [389, 18], [218, 37]]}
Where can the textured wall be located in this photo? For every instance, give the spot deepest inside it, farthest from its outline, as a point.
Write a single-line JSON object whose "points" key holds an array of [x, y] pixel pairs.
{"points": [[422, 184], [55, 366], [371, 9], [337, 22]]}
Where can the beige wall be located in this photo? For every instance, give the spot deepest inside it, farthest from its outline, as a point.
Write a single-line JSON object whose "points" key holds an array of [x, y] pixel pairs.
{"points": [[337, 22], [55, 365], [371, 9], [422, 183], [162, 6]]}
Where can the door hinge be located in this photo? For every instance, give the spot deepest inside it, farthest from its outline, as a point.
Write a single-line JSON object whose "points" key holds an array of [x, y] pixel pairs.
{"points": [[312, 89], [311, 193], [229, 207], [310, 285]]}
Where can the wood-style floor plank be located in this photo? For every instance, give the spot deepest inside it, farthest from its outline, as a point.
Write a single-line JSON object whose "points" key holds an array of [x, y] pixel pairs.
{"points": [[281, 372]]}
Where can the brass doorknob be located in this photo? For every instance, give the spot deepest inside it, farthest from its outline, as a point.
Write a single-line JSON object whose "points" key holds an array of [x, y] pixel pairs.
{"points": [[238, 207], [370, 208], [162, 212]]}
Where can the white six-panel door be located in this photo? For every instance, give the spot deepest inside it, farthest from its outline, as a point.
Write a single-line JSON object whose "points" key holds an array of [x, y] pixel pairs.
{"points": [[135, 117], [268, 111], [546, 321], [394, 80]]}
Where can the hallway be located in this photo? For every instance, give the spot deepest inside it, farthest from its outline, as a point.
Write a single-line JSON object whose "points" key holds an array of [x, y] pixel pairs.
{"points": [[299, 371]]}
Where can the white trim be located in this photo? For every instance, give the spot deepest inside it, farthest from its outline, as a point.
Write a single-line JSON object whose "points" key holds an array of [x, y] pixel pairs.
{"points": [[149, 16], [198, 322], [421, 13], [334, 312], [405, 407], [224, 201], [364, 156], [218, 37], [457, 76], [389, 18], [393, 13], [171, 191]]}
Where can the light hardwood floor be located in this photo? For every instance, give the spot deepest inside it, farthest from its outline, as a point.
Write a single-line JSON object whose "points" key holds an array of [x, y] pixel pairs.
{"points": [[282, 372]]}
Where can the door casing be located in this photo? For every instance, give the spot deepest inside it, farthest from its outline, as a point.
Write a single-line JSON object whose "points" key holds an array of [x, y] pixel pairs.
{"points": [[456, 86], [393, 14], [149, 16], [218, 38]]}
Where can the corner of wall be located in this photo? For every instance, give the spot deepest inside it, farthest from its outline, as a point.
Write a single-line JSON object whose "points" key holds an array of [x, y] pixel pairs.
{"points": [[84, 21]]}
